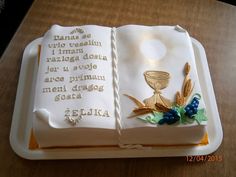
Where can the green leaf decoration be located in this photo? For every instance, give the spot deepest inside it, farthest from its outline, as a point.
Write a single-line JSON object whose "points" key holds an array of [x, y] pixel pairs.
{"points": [[143, 119], [185, 119], [181, 111], [158, 115], [200, 116], [153, 118]]}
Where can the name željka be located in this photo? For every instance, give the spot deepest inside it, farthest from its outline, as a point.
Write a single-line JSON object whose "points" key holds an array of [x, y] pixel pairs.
{"points": [[95, 112]]}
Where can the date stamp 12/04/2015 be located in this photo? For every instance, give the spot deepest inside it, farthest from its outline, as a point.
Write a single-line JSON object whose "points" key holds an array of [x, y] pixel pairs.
{"points": [[205, 158]]}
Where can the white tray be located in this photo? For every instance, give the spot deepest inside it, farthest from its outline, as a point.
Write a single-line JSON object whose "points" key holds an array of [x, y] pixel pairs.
{"points": [[21, 121]]}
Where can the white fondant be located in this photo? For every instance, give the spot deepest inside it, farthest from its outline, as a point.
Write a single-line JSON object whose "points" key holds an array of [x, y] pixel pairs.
{"points": [[100, 100], [133, 61], [153, 49], [180, 29], [42, 114], [116, 88], [179, 50]]}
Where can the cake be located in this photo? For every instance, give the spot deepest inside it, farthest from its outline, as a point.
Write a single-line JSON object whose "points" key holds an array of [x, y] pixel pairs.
{"points": [[129, 87]]}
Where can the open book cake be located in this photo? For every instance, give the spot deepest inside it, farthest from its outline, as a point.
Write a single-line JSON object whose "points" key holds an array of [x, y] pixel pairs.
{"points": [[129, 87]]}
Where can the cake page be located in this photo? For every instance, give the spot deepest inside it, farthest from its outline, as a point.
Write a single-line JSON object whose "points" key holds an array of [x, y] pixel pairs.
{"points": [[143, 50], [75, 86]]}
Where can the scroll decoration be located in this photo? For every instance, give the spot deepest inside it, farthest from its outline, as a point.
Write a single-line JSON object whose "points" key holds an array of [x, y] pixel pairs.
{"points": [[161, 110]]}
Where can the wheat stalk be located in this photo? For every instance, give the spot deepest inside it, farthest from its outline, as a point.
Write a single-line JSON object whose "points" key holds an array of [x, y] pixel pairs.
{"points": [[187, 87], [135, 100], [187, 68], [179, 99], [161, 108], [141, 111]]}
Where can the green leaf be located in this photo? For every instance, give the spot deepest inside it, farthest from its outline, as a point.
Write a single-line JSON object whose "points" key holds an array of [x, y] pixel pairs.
{"points": [[185, 119], [153, 118], [181, 111], [158, 115], [200, 116], [143, 119]]}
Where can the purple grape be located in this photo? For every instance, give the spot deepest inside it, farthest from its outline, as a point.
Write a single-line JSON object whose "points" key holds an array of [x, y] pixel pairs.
{"points": [[169, 117], [162, 121], [191, 108]]}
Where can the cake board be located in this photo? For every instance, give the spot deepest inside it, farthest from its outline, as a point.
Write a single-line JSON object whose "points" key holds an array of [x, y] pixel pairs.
{"points": [[23, 110]]}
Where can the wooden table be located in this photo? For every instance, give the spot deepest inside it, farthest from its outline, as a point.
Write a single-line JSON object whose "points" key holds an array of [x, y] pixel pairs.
{"points": [[211, 22]]}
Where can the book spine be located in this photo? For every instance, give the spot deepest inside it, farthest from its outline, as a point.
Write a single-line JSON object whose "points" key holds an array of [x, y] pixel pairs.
{"points": [[116, 95], [116, 84]]}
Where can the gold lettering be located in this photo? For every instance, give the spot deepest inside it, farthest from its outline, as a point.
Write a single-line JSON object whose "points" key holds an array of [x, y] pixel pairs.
{"points": [[54, 89], [89, 67], [94, 57], [95, 112], [63, 59], [57, 45], [58, 37], [69, 51], [84, 77], [89, 88], [62, 97], [51, 69], [54, 79]]}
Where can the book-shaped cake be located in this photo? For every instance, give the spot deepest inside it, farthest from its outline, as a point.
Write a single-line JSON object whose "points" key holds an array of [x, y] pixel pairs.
{"points": [[130, 86]]}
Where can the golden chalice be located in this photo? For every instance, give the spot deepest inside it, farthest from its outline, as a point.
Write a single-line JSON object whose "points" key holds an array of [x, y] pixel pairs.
{"points": [[157, 80]]}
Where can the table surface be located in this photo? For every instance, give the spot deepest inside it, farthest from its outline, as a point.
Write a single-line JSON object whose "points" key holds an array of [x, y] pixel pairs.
{"points": [[211, 22]]}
